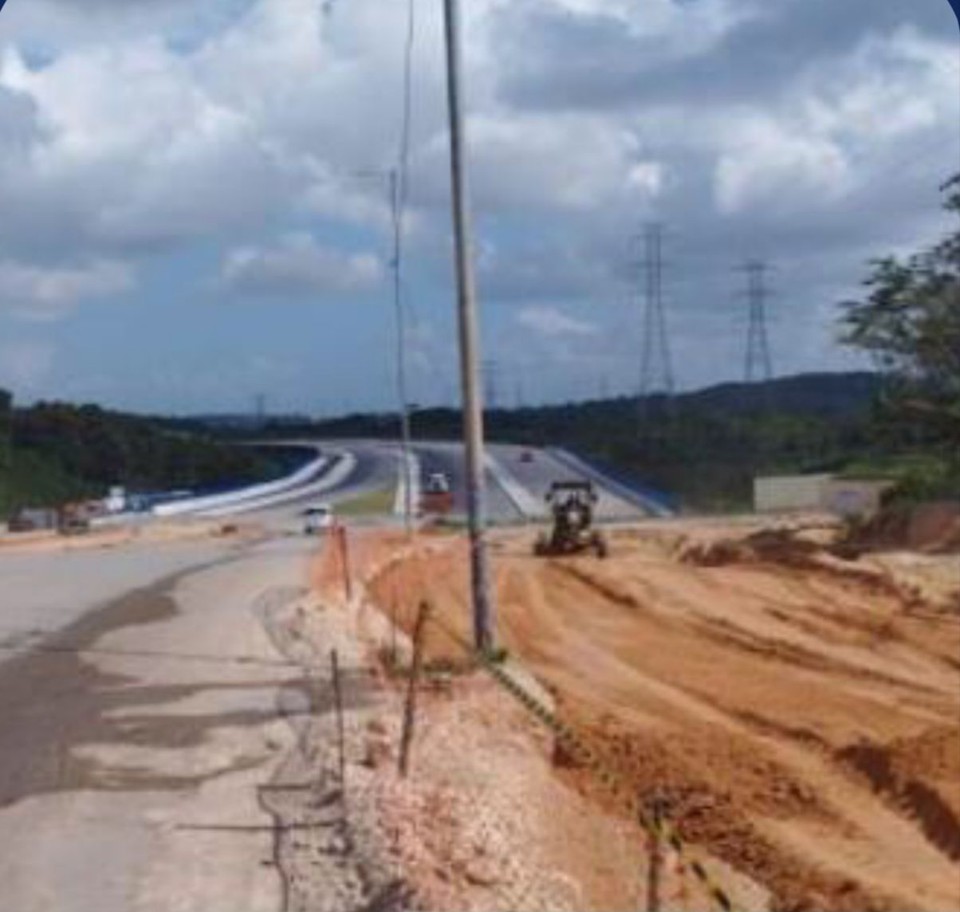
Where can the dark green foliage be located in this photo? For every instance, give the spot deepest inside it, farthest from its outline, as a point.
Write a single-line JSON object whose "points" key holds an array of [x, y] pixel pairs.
{"points": [[62, 451], [910, 323]]}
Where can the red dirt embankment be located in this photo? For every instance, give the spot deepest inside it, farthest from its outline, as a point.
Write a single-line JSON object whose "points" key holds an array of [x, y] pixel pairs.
{"points": [[801, 717]]}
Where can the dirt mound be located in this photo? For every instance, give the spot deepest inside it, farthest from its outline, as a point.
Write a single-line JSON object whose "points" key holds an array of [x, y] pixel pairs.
{"points": [[734, 672], [933, 528], [782, 546]]}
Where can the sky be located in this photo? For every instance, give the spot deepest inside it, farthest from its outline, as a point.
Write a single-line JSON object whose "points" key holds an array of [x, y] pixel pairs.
{"points": [[194, 209]]}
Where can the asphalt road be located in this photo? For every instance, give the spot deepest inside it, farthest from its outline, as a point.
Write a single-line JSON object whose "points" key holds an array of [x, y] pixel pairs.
{"points": [[534, 477], [543, 469], [450, 459], [376, 468], [515, 486], [140, 706]]}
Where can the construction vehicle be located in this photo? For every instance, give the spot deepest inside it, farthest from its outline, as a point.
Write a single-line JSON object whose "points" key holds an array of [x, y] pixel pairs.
{"points": [[572, 504]]}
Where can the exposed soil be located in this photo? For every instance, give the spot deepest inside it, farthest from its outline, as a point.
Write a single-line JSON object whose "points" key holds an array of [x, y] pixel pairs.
{"points": [[799, 714]]}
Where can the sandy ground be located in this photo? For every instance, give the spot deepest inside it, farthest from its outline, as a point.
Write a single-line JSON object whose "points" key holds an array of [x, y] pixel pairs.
{"points": [[484, 822], [113, 536], [800, 716]]}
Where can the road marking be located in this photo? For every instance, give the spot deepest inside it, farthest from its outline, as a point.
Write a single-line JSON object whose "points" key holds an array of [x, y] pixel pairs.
{"points": [[341, 468]]}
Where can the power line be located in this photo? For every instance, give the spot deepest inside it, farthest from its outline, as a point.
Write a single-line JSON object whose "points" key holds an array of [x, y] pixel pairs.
{"points": [[758, 363], [407, 119]]}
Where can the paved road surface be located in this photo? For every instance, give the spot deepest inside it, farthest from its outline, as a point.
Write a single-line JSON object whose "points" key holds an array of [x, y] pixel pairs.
{"points": [[376, 468], [534, 476], [537, 475], [449, 458], [139, 709]]}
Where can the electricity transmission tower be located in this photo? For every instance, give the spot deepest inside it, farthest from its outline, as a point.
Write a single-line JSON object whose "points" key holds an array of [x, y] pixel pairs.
{"points": [[656, 365], [759, 364]]}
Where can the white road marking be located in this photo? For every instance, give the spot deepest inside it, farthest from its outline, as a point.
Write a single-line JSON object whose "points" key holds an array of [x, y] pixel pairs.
{"points": [[341, 470]]}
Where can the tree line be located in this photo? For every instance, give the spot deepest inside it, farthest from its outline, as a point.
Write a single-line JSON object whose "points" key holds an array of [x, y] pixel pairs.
{"points": [[54, 451]]}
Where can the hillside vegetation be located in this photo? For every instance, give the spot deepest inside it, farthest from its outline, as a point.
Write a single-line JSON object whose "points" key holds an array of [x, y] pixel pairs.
{"points": [[52, 452]]}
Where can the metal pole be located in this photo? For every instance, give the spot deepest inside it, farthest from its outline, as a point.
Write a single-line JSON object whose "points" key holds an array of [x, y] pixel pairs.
{"points": [[410, 706], [395, 206], [338, 706], [483, 608]]}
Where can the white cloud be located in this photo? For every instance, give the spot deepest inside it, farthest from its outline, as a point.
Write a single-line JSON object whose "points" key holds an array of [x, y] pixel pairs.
{"points": [[216, 127], [768, 163], [553, 323], [41, 294], [297, 266]]}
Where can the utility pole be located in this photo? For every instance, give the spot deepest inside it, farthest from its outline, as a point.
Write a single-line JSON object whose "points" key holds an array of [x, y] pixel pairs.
{"points": [[656, 366], [483, 608], [759, 364], [396, 208]]}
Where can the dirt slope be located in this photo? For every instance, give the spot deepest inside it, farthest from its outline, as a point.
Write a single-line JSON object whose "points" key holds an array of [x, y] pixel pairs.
{"points": [[801, 720]]}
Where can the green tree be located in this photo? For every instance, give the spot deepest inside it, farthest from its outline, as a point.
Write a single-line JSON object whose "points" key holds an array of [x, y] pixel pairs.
{"points": [[910, 324]]}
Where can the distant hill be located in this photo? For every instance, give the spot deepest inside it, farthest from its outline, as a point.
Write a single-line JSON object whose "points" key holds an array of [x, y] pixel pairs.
{"points": [[803, 394], [822, 395]]}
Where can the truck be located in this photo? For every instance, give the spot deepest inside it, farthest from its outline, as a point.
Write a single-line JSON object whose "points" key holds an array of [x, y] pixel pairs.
{"points": [[436, 496]]}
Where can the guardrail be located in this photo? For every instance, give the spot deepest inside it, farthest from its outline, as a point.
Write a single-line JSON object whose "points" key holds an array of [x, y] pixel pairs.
{"points": [[252, 492]]}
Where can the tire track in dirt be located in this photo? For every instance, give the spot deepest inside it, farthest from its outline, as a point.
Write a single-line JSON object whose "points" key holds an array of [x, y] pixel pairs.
{"points": [[679, 674]]}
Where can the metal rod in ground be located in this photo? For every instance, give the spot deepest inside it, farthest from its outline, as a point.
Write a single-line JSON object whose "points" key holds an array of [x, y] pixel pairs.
{"points": [[345, 562], [393, 630], [338, 706], [410, 707], [483, 608], [655, 859]]}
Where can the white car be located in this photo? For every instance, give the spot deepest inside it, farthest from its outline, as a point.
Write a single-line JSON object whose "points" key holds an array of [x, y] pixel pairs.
{"points": [[317, 519]]}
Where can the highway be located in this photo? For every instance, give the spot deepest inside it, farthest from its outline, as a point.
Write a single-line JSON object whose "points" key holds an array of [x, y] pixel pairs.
{"points": [[516, 480]]}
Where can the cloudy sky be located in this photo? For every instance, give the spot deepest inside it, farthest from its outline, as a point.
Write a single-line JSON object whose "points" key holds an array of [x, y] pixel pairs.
{"points": [[190, 212]]}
